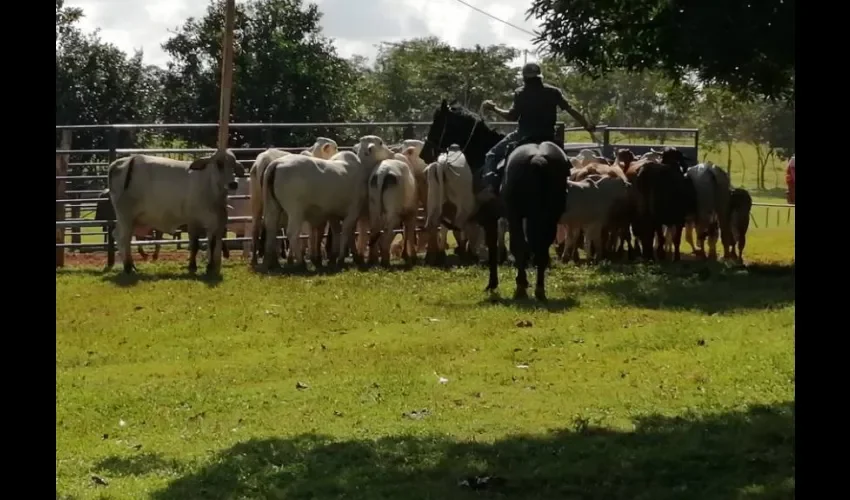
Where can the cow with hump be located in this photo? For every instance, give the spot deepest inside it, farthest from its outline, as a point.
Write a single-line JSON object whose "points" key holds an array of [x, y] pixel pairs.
{"points": [[393, 201], [165, 194], [323, 148], [298, 188]]}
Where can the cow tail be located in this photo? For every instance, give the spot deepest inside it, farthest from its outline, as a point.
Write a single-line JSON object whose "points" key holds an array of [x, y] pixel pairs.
{"points": [[443, 173], [268, 186], [115, 185], [377, 186]]}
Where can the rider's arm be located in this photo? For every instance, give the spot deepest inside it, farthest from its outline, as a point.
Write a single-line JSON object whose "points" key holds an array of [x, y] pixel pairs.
{"points": [[508, 114], [563, 104]]}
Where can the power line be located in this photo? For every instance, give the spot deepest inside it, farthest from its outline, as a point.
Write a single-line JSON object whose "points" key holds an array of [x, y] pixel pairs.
{"points": [[491, 16]]}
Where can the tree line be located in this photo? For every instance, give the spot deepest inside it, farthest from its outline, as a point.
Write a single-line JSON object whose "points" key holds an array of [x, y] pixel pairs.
{"points": [[286, 70]]}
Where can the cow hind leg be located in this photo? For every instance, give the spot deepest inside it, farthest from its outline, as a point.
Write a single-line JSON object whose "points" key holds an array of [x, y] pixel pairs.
{"points": [[712, 240], [410, 240], [157, 236], [293, 233], [124, 237], [142, 253], [677, 241]]}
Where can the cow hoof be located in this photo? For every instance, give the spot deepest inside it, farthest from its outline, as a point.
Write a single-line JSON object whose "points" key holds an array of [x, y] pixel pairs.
{"points": [[385, 262], [193, 267], [540, 294], [129, 268], [520, 293], [503, 256]]}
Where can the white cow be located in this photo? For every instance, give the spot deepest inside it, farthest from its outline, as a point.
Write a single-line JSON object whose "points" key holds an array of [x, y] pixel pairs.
{"points": [[322, 148], [393, 200], [298, 188], [164, 194], [590, 206], [450, 197], [713, 189]]}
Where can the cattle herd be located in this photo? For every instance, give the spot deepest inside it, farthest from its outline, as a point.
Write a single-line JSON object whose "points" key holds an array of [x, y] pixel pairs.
{"points": [[623, 207]]}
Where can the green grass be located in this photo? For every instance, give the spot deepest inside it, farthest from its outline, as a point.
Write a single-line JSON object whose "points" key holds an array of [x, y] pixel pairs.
{"points": [[636, 382]]}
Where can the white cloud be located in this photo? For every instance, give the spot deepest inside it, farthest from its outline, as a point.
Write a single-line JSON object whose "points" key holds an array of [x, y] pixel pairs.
{"points": [[357, 26]]}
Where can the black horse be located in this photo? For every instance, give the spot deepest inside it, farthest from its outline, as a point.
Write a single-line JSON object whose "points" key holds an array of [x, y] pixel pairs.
{"points": [[533, 189]]}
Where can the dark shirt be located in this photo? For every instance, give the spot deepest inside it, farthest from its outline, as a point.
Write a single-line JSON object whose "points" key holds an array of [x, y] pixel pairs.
{"points": [[535, 107]]}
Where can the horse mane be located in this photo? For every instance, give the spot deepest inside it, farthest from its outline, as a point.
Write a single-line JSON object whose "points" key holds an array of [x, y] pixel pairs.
{"points": [[460, 110]]}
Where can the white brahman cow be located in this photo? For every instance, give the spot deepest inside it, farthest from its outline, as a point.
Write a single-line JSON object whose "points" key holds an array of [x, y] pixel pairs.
{"points": [[164, 194], [590, 205], [450, 198], [299, 188], [393, 200], [322, 148]]}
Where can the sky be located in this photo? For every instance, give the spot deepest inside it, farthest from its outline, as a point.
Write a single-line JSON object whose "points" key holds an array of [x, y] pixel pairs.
{"points": [[356, 26]]}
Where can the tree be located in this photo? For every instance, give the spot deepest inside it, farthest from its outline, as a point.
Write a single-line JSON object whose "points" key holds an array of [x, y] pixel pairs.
{"points": [[719, 112], [781, 133], [748, 46], [96, 82], [284, 71], [645, 99], [413, 76]]}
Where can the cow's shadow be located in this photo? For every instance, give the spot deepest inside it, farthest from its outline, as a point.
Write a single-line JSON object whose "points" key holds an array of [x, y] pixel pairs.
{"points": [[725, 455], [121, 279]]}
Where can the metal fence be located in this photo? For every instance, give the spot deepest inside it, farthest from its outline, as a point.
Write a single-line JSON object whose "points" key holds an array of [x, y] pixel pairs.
{"points": [[76, 194]]}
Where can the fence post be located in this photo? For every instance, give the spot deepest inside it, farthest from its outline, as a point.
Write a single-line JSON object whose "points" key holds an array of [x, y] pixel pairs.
{"points": [[606, 142], [407, 133], [61, 170], [696, 149], [112, 144], [75, 211]]}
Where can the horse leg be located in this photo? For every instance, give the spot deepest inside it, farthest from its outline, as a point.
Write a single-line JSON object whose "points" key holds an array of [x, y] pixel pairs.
{"points": [[490, 224], [542, 232], [518, 248]]}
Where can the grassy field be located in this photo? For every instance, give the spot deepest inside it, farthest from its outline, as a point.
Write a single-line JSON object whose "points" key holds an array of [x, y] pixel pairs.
{"points": [[635, 382]]}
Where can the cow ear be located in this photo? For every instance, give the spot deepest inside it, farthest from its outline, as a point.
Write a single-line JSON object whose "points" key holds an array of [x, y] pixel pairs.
{"points": [[199, 164], [409, 151], [326, 148]]}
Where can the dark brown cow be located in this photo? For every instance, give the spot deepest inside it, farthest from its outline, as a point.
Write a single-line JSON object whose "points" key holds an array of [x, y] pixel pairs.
{"points": [[665, 198]]}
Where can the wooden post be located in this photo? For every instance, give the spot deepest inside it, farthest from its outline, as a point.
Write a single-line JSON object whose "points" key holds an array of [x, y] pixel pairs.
{"points": [[112, 144], [61, 170], [226, 75]]}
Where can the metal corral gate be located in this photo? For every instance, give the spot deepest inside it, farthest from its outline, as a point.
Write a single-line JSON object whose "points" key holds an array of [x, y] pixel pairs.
{"points": [[79, 200]]}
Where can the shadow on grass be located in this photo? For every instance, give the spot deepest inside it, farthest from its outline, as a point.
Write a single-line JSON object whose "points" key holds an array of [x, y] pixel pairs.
{"points": [[137, 465], [732, 455], [709, 287], [118, 278]]}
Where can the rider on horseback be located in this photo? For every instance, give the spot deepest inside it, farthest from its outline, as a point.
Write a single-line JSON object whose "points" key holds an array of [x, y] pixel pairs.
{"points": [[535, 109]]}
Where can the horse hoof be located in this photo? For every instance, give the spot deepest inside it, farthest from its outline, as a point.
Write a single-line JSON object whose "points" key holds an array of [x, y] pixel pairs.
{"points": [[520, 293], [129, 268], [540, 294], [193, 267]]}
